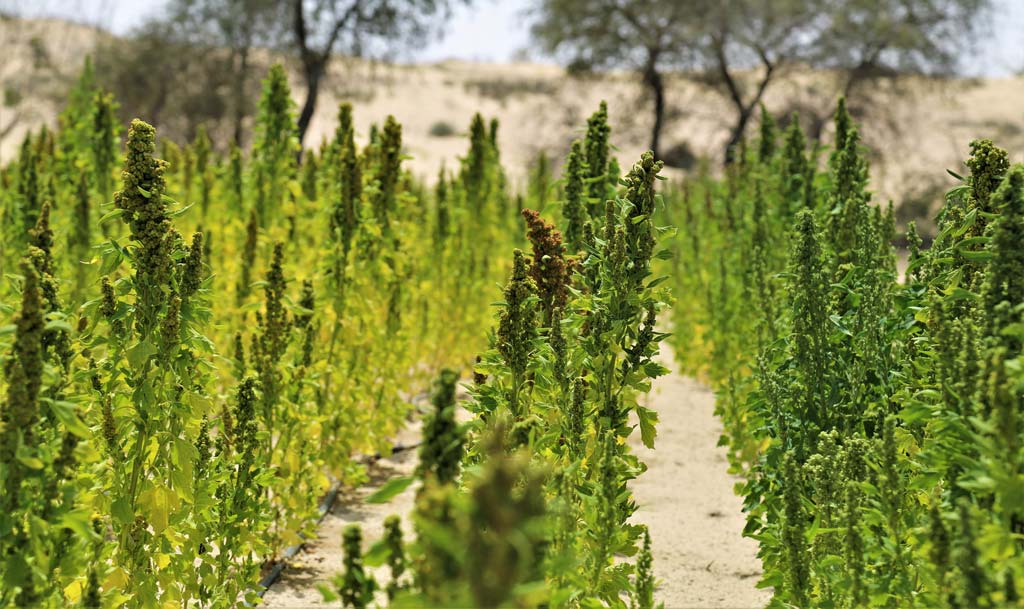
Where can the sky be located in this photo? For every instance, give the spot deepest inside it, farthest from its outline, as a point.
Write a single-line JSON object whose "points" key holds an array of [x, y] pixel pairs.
{"points": [[497, 30]]}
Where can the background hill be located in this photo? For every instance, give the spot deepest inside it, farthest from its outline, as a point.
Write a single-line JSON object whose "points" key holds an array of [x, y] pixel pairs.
{"points": [[540, 107]]}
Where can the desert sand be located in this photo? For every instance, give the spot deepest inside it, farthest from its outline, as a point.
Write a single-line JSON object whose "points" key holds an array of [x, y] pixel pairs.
{"points": [[686, 499], [914, 134]]}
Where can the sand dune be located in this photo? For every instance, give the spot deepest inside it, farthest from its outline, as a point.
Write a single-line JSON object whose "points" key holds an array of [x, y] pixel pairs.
{"points": [[916, 134]]}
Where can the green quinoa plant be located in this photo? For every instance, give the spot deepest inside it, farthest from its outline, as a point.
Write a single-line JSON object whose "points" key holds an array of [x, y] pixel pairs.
{"points": [[153, 365], [442, 448], [356, 590], [275, 146], [397, 561], [387, 175], [248, 258], [575, 208], [599, 188], [201, 148], [643, 597], [506, 529], [540, 181], [234, 179], [797, 171], [104, 143], [517, 330]]}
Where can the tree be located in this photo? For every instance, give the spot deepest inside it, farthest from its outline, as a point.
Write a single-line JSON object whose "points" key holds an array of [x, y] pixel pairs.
{"points": [[720, 43], [238, 26], [866, 41], [174, 70], [649, 36], [321, 28], [742, 33], [196, 56]]}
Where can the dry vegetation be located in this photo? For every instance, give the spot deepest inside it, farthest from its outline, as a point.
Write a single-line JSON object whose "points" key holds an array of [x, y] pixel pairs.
{"points": [[924, 124]]}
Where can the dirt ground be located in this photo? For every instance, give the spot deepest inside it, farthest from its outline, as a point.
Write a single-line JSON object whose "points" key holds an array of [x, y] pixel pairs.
{"points": [[685, 498], [322, 557]]}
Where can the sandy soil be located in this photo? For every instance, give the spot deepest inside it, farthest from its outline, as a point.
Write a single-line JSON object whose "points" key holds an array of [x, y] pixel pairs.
{"points": [[915, 133], [687, 501], [685, 498], [322, 557]]}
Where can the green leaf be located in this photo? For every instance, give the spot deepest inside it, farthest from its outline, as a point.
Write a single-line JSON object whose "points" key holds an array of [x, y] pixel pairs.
{"points": [[27, 458], [141, 352], [390, 489], [65, 412], [377, 554], [648, 419], [122, 511], [658, 281], [654, 369], [58, 324], [975, 256], [329, 595], [177, 212], [79, 522], [110, 215]]}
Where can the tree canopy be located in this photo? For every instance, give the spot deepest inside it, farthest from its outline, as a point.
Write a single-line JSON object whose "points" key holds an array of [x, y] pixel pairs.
{"points": [[719, 43]]}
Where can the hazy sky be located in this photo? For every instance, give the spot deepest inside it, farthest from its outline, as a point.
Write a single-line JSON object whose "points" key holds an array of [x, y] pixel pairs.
{"points": [[495, 30]]}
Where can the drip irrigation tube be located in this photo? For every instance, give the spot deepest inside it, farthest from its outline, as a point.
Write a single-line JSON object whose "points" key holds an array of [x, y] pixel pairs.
{"points": [[325, 506]]}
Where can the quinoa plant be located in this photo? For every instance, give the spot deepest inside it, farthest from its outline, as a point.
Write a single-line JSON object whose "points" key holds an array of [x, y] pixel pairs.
{"points": [[104, 143], [441, 451], [397, 561], [275, 147], [597, 152], [575, 208], [357, 586], [153, 364], [517, 330], [876, 428]]}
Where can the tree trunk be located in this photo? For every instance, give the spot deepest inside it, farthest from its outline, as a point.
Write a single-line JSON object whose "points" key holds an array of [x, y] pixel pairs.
{"points": [[744, 110], [314, 73], [737, 133], [654, 80], [241, 95]]}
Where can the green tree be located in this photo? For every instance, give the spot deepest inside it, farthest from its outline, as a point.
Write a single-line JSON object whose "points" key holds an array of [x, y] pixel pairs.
{"points": [[739, 48], [320, 28]]}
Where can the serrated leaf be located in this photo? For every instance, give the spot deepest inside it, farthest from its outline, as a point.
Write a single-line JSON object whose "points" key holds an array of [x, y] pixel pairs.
{"points": [[141, 352], [648, 419]]}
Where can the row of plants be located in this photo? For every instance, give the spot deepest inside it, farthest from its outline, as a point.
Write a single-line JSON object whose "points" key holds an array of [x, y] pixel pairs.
{"points": [[527, 504], [200, 344], [872, 407]]}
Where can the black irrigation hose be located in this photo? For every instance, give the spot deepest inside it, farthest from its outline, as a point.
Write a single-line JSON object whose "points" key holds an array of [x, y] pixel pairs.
{"points": [[325, 506]]}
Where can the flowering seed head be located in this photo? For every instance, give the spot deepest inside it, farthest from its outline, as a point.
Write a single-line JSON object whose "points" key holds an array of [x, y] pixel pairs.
{"points": [[142, 202], [517, 325], [549, 270]]}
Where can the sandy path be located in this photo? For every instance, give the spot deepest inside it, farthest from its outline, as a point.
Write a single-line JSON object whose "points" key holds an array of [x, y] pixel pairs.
{"points": [[686, 499], [321, 558]]}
